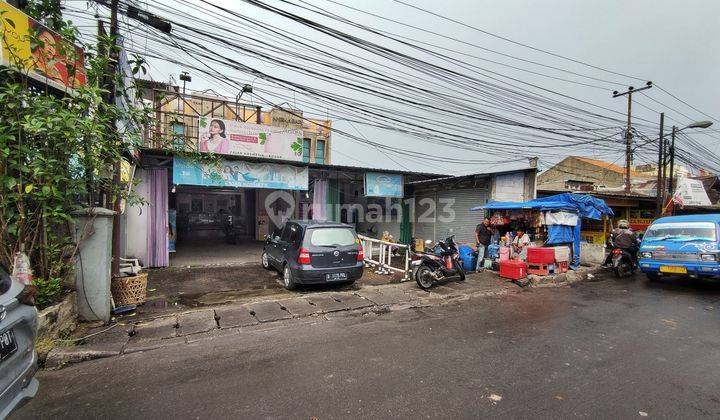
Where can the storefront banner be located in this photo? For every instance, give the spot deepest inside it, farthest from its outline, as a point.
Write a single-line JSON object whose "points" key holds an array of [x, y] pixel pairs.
{"points": [[47, 57], [383, 185], [691, 192], [230, 137], [229, 173]]}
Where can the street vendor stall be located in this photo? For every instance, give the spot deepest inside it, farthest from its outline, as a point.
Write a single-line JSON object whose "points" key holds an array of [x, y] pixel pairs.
{"points": [[554, 220]]}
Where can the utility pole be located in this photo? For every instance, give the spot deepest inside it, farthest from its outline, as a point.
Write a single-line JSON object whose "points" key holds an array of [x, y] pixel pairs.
{"points": [[660, 188], [628, 134], [672, 162], [112, 59]]}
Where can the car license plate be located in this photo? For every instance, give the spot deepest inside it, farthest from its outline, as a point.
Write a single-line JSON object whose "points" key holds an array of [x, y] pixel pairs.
{"points": [[8, 346], [673, 269], [336, 276]]}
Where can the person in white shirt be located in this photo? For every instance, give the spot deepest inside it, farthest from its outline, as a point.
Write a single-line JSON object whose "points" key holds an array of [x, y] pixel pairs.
{"points": [[520, 244]]}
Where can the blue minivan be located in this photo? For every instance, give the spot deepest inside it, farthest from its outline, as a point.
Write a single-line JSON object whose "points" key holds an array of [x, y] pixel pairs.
{"points": [[682, 245]]}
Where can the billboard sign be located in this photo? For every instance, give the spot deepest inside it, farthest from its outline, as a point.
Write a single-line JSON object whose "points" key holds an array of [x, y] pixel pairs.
{"points": [[691, 192], [383, 185], [38, 51], [239, 174], [230, 137]]}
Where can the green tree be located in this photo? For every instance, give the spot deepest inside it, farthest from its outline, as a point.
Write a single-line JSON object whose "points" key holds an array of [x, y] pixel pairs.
{"points": [[57, 150]]}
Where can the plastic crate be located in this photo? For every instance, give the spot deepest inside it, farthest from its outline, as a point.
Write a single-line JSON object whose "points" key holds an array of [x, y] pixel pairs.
{"points": [[562, 253], [563, 266], [542, 269], [514, 270], [536, 255]]}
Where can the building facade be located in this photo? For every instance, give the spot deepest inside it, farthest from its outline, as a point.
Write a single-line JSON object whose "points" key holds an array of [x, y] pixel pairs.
{"points": [[268, 166]]}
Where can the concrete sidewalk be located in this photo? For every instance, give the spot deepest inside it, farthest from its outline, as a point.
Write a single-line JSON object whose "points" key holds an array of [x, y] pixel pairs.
{"points": [[192, 326]]}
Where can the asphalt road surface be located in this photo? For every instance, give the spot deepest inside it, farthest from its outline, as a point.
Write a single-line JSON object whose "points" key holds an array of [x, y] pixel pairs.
{"points": [[609, 349]]}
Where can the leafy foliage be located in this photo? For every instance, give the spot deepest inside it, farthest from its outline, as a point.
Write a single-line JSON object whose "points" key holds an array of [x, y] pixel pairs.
{"points": [[57, 151]]}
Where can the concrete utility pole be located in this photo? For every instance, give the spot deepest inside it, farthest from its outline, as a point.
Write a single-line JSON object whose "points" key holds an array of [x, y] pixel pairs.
{"points": [[628, 134], [660, 189], [672, 160], [116, 166]]}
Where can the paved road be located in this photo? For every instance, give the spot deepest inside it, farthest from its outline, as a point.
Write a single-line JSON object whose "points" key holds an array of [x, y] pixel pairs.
{"points": [[612, 349]]}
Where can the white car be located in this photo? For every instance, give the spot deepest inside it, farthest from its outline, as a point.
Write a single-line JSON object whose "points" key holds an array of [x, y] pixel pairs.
{"points": [[18, 359]]}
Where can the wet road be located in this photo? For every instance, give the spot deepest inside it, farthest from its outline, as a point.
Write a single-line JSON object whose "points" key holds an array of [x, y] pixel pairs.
{"points": [[611, 349]]}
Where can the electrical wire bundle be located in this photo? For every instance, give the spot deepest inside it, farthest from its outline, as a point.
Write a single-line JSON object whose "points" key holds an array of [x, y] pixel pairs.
{"points": [[392, 84]]}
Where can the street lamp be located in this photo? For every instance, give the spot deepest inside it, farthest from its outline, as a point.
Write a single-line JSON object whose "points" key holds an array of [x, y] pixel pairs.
{"points": [[675, 130]]}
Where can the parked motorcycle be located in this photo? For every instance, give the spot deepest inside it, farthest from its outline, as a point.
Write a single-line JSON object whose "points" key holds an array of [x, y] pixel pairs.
{"points": [[441, 262]]}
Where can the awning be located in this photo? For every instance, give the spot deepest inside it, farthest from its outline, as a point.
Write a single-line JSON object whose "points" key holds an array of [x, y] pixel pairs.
{"points": [[586, 206]]}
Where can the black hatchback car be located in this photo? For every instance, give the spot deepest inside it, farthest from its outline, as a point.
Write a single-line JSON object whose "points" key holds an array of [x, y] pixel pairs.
{"points": [[313, 252]]}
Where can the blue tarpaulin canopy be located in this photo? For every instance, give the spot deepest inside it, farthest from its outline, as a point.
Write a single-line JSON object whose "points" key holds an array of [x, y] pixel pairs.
{"points": [[585, 206]]}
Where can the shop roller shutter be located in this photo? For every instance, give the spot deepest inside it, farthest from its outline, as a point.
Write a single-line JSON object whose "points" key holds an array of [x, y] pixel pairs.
{"points": [[463, 225], [423, 230]]}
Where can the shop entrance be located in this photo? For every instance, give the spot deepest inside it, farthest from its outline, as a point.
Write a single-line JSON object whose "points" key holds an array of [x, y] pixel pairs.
{"points": [[214, 226]]}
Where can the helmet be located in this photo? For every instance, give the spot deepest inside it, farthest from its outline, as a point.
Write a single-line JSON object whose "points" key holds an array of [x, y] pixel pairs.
{"points": [[623, 224]]}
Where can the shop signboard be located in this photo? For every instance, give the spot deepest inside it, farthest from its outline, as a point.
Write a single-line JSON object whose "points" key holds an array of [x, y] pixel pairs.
{"points": [[41, 53], [286, 118], [691, 192], [230, 137], [383, 185], [229, 173]]}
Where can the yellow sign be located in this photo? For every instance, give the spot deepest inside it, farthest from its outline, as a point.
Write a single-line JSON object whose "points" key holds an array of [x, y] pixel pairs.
{"points": [[42, 53]]}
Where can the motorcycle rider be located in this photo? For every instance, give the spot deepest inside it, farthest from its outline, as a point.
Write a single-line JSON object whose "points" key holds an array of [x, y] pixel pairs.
{"points": [[624, 238]]}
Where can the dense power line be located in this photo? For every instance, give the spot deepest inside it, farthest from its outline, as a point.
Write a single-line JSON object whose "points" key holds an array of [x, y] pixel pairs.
{"points": [[394, 91]]}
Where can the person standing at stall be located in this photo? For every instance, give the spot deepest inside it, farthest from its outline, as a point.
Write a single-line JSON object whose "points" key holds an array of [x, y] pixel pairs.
{"points": [[483, 234]]}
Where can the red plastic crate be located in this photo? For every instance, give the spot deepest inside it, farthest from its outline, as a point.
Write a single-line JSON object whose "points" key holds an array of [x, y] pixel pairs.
{"points": [[514, 270], [539, 269], [537, 255], [563, 266]]}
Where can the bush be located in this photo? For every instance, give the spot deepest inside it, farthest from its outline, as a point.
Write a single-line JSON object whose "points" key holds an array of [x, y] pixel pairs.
{"points": [[48, 291]]}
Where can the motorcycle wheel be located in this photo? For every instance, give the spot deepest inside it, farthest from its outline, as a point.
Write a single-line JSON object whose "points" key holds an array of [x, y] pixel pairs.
{"points": [[461, 274], [620, 271], [423, 277]]}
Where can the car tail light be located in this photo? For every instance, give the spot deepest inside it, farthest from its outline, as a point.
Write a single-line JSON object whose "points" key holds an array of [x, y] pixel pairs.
{"points": [[304, 257], [361, 253], [617, 251]]}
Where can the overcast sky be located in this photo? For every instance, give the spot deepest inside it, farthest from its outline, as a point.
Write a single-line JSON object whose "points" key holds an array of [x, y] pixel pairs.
{"points": [[672, 43]]}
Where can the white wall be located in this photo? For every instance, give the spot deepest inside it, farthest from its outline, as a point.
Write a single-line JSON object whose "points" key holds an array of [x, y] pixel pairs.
{"points": [[510, 187], [136, 221]]}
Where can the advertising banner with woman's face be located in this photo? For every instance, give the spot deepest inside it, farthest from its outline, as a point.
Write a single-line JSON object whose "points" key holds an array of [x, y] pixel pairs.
{"points": [[48, 57], [238, 138]]}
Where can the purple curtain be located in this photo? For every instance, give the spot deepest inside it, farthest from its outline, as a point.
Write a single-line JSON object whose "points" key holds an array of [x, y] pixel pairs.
{"points": [[157, 238], [319, 205]]}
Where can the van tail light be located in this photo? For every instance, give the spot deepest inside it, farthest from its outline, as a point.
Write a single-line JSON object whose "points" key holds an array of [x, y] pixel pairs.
{"points": [[304, 257], [361, 253]]}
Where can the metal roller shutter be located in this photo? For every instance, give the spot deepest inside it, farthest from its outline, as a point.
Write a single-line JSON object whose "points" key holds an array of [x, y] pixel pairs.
{"points": [[426, 229], [464, 222]]}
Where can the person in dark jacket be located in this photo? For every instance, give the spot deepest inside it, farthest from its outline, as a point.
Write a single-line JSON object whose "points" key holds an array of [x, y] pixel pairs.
{"points": [[483, 235], [624, 238]]}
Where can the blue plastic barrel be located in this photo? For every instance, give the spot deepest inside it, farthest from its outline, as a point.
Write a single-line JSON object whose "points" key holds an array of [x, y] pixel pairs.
{"points": [[469, 262]]}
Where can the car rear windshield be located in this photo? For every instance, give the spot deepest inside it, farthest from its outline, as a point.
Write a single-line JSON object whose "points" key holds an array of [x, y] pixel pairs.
{"points": [[681, 231], [332, 237]]}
